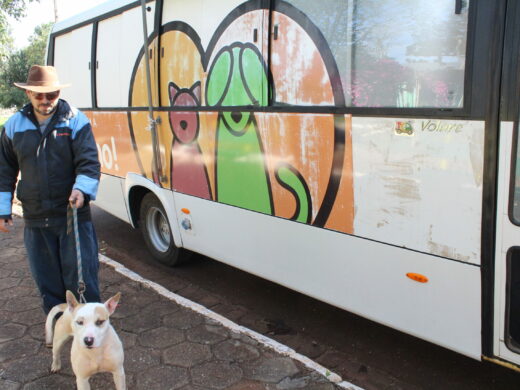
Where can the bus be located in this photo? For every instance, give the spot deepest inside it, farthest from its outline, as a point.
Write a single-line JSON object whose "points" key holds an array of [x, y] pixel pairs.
{"points": [[362, 152]]}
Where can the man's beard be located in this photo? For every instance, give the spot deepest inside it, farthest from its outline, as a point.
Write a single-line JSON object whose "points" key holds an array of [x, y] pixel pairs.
{"points": [[46, 113]]}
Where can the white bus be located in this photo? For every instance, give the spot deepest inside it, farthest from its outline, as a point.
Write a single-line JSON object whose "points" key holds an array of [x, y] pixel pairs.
{"points": [[363, 152]]}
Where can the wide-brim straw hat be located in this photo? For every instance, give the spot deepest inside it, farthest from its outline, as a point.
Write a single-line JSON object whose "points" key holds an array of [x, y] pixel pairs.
{"points": [[42, 79]]}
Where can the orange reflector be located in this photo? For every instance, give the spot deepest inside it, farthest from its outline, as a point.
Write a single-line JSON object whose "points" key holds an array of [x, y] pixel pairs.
{"points": [[417, 277], [185, 211]]}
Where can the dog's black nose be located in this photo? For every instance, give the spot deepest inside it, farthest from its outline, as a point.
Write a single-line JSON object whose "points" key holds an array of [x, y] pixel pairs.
{"points": [[89, 341]]}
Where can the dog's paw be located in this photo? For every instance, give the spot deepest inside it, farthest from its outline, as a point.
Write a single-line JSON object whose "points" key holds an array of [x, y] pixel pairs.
{"points": [[56, 366]]}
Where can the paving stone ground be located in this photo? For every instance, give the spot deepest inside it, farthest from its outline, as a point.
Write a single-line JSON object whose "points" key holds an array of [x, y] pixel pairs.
{"points": [[166, 345]]}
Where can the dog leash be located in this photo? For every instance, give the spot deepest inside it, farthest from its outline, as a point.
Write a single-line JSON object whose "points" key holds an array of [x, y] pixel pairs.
{"points": [[72, 219]]}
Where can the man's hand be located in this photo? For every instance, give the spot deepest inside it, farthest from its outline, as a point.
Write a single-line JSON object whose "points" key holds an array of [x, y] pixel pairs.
{"points": [[4, 223], [77, 198]]}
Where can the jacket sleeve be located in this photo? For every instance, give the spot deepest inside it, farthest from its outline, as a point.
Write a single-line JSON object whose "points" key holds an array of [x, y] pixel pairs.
{"points": [[8, 174], [86, 161]]}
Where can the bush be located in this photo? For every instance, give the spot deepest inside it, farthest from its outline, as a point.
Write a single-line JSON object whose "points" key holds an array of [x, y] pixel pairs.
{"points": [[16, 66]]}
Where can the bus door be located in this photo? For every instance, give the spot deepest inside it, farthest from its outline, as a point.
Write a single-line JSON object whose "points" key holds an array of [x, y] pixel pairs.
{"points": [[507, 258], [213, 75], [146, 128], [213, 54]]}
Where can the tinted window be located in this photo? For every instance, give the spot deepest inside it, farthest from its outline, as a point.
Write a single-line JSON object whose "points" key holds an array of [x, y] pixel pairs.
{"points": [[395, 53]]}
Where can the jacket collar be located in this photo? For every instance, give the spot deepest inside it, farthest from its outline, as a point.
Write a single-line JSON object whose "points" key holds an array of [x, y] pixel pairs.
{"points": [[63, 112]]}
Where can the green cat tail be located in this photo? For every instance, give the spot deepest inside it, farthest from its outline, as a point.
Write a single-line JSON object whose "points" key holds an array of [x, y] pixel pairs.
{"points": [[290, 179]]}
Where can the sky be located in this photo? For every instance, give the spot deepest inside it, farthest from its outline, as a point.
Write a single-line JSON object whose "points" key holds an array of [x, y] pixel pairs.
{"points": [[43, 12]]}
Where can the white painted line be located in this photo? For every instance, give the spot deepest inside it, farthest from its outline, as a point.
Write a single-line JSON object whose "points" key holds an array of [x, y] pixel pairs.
{"points": [[265, 341]]}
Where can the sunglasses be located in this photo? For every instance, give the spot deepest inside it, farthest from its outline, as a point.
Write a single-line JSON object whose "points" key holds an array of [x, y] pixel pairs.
{"points": [[48, 95]]}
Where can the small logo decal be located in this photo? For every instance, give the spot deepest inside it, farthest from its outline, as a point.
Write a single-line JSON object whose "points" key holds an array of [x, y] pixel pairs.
{"points": [[60, 133], [404, 127]]}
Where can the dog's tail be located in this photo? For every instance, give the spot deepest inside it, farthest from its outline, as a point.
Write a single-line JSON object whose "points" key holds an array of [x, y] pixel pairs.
{"points": [[49, 330]]}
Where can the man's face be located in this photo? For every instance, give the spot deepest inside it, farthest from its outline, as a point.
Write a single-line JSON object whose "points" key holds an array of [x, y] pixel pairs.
{"points": [[44, 103]]}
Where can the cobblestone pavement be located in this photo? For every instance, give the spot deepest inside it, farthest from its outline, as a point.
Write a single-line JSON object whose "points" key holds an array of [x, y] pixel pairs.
{"points": [[167, 346]]}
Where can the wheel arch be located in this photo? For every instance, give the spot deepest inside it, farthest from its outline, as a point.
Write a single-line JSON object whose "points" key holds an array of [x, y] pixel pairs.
{"points": [[136, 187], [135, 197]]}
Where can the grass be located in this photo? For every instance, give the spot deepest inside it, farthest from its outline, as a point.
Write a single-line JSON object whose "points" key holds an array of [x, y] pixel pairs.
{"points": [[3, 119]]}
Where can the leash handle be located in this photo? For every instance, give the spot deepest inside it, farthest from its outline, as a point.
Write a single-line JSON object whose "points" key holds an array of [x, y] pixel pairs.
{"points": [[81, 283]]}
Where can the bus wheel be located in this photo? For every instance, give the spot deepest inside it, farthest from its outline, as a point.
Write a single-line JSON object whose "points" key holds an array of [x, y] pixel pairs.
{"points": [[156, 231]]}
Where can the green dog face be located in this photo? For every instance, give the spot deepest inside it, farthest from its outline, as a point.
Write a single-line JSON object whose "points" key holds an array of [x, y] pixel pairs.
{"points": [[238, 77]]}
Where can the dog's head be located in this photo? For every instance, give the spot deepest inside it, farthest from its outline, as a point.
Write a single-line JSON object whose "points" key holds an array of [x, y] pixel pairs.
{"points": [[90, 321]]}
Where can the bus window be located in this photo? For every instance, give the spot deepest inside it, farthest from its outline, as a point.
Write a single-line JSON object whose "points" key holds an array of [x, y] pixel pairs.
{"points": [[118, 39], [396, 53], [75, 69]]}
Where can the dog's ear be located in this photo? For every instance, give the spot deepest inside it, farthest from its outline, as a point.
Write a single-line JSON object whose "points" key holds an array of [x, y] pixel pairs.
{"points": [[72, 302], [111, 304]]}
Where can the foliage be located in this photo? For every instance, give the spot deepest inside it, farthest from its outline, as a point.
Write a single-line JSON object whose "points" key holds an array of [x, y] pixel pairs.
{"points": [[3, 119], [16, 66], [38, 44], [15, 9], [6, 40], [14, 70]]}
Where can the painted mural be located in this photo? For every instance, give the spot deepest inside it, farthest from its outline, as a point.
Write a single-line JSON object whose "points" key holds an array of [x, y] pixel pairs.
{"points": [[238, 78], [227, 98], [188, 173], [287, 165]]}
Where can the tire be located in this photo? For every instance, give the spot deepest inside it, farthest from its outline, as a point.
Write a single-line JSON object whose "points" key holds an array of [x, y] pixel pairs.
{"points": [[156, 231]]}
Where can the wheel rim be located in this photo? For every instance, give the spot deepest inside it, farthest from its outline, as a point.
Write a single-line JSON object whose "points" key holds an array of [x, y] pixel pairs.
{"points": [[158, 229]]}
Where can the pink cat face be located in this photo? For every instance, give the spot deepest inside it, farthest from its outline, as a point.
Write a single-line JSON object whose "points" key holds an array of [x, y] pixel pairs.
{"points": [[184, 124]]}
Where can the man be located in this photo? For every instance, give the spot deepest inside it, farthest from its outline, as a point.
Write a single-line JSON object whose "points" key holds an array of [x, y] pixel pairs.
{"points": [[52, 146]]}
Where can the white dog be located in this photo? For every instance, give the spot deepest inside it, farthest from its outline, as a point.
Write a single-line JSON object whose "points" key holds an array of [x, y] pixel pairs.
{"points": [[96, 346]]}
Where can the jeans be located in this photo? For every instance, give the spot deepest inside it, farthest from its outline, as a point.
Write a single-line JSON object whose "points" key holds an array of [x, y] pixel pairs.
{"points": [[54, 266]]}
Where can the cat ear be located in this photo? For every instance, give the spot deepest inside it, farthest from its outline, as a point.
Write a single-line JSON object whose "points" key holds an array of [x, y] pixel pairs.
{"points": [[173, 90], [196, 90]]}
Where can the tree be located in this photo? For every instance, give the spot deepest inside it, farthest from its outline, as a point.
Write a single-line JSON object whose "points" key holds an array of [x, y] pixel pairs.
{"points": [[15, 9], [38, 44], [6, 40], [15, 70], [16, 66]]}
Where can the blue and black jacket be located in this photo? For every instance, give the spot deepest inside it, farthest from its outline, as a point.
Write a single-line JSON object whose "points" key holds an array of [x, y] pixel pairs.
{"points": [[51, 164]]}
